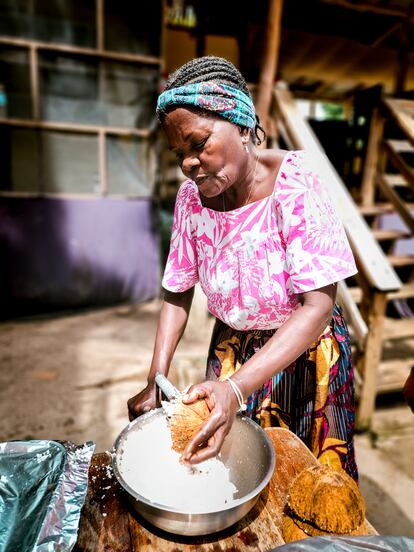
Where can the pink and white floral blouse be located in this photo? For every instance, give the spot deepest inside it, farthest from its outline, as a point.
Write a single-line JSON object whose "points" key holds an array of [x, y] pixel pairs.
{"points": [[253, 261]]}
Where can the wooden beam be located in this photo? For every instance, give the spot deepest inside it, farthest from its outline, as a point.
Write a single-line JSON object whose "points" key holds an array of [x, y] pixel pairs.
{"points": [[385, 35], [371, 158], [164, 8], [74, 127], [103, 173], [394, 11], [369, 362], [270, 57], [34, 82], [91, 52], [67, 195], [100, 27], [403, 61]]}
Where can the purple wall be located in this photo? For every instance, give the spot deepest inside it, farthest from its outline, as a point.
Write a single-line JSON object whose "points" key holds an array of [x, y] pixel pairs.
{"points": [[68, 253]]}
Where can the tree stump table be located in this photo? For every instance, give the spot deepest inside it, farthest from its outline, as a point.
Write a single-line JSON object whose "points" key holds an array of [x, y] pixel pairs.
{"points": [[107, 523]]}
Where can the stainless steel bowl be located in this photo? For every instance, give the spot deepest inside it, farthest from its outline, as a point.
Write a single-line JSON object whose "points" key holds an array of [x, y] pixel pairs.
{"points": [[247, 452]]}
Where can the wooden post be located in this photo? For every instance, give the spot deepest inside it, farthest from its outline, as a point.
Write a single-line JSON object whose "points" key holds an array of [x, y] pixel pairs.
{"points": [[100, 28], [370, 360], [34, 82], [403, 60], [103, 173], [269, 61], [371, 160]]}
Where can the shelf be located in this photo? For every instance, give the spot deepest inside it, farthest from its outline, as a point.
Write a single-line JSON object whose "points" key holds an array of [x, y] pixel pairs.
{"points": [[90, 52], [74, 127]]}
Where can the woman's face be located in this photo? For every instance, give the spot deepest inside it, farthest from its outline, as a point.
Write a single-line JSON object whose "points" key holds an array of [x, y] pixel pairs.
{"points": [[211, 151]]}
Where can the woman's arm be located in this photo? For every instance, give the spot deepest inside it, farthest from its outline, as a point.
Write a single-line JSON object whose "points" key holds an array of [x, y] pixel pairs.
{"points": [[172, 322], [171, 325], [292, 339]]}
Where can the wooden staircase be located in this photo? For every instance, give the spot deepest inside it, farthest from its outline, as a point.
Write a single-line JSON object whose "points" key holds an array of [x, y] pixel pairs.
{"points": [[387, 204], [365, 297]]}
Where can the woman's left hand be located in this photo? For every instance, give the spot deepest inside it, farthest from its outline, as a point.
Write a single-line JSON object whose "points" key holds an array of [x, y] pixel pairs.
{"points": [[223, 405]]}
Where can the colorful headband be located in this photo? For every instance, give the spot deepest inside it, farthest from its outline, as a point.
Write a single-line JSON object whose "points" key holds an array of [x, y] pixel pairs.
{"points": [[226, 101]]}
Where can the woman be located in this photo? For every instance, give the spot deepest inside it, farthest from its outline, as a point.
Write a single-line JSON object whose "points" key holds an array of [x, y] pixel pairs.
{"points": [[259, 232]]}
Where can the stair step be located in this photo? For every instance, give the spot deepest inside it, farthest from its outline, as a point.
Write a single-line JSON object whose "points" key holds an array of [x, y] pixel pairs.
{"points": [[394, 180], [381, 209], [401, 146], [401, 260], [405, 292], [383, 234], [356, 293], [377, 209], [392, 374], [398, 328]]}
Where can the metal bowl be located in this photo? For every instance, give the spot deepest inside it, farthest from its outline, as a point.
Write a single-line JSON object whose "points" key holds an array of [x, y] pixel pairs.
{"points": [[247, 452]]}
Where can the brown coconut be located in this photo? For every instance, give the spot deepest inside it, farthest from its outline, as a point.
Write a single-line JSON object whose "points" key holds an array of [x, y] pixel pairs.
{"points": [[294, 529], [290, 530], [327, 499], [186, 421]]}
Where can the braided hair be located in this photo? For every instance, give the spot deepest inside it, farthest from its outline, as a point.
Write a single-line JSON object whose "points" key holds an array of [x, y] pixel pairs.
{"points": [[216, 69]]}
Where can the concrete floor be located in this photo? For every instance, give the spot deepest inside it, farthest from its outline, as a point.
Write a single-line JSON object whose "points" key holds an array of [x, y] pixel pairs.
{"points": [[68, 377]]}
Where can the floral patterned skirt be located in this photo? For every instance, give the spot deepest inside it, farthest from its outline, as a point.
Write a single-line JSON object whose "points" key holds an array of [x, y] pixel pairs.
{"points": [[313, 397]]}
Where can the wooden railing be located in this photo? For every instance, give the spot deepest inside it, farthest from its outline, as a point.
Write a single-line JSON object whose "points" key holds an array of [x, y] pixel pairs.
{"points": [[376, 276]]}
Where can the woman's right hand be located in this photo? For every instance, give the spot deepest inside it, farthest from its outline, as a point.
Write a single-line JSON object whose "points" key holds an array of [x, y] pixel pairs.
{"points": [[223, 405], [144, 401]]}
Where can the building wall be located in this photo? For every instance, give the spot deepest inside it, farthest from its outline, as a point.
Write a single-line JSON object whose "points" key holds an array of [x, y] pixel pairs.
{"points": [[180, 47], [78, 156], [69, 253]]}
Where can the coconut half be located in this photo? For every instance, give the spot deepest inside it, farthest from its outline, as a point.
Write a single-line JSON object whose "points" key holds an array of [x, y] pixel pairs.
{"points": [[323, 501]]}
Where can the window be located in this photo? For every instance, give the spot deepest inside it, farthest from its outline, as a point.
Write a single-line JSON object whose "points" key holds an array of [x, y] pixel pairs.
{"points": [[79, 83]]}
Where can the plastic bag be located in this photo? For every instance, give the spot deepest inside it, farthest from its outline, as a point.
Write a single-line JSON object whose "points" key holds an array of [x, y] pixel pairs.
{"points": [[372, 543], [43, 486]]}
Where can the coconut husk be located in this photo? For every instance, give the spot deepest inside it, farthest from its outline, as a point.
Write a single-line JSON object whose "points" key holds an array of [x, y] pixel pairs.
{"points": [[290, 531], [323, 499], [313, 531], [186, 421], [294, 529]]}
